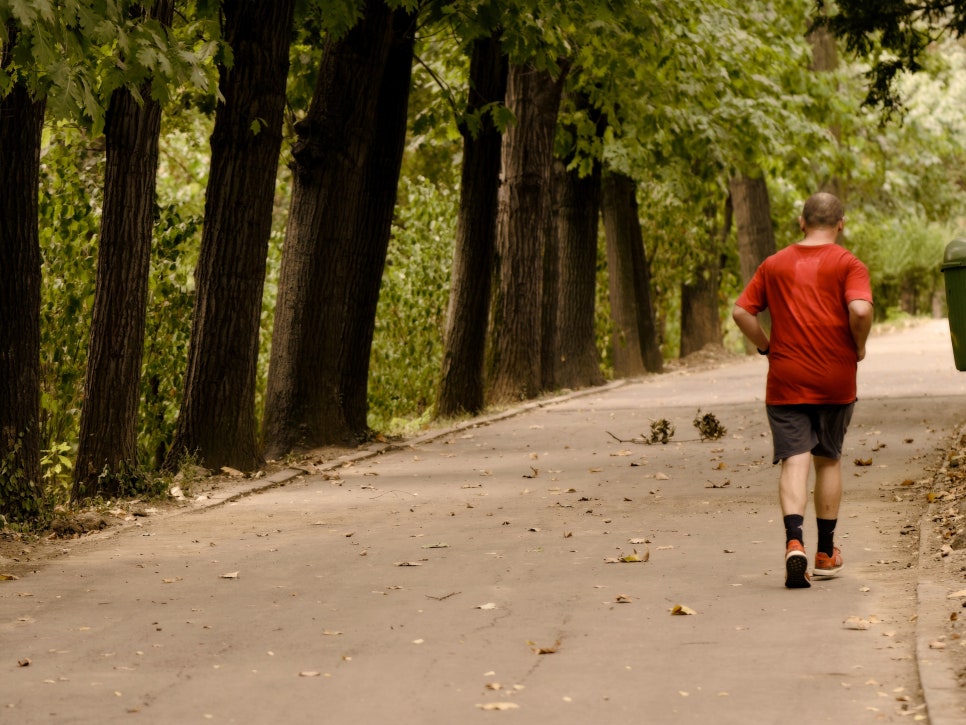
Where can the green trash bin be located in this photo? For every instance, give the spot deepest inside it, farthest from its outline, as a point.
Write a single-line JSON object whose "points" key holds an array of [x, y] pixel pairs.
{"points": [[954, 271]]}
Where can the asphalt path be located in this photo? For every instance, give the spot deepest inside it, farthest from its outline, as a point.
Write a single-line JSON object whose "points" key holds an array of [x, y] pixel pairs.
{"points": [[489, 573]]}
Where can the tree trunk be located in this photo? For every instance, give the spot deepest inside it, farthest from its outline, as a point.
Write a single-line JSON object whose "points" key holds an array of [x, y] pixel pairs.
{"points": [[217, 418], [635, 345], [700, 320], [365, 257], [700, 324], [524, 205], [324, 277], [756, 235], [461, 381], [21, 120], [752, 217], [108, 427], [550, 284], [576, 361], [825, 58]]}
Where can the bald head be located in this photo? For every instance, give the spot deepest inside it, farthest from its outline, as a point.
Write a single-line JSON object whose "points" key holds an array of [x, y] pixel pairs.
{"points": [[822, 211]]}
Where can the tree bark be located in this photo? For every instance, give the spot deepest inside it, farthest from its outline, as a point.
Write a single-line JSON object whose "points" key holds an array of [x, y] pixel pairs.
{"points": [[576, 361], [756, 235], [326, 282], [365, 257], [635, 345], [107, 448], [700, 320], [21, 121], [462, 377], [752, 218], [524, 205], [825, 59], [217, 418]]}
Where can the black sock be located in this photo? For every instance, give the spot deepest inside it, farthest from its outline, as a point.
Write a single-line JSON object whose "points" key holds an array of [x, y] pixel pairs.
{"points": [[826, 530], [793, 527]]}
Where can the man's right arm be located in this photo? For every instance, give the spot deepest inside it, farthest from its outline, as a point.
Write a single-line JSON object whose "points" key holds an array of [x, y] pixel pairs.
{"points": [[860, 323], [749, 325]]}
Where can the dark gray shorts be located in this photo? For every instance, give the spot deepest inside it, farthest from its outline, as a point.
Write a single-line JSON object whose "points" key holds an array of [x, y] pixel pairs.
{"points": [[816, 429]]}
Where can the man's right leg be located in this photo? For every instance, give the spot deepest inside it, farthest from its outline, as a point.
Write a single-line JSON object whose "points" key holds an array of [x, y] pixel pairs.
{"points": [[828, 496]]}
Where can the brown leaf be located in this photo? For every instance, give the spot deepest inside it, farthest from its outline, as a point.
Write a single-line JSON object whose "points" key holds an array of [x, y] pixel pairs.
{"points": [[499, 706], [545, 650], [681, 610], [863, 461]]}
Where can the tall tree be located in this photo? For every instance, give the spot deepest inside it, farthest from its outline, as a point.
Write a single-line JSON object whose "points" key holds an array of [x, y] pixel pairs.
{"points": [[635, 346], [334, 254], [107, 448], [533, 95], [462, 377], [576, 361], [21, 121], [217, 418], [700, 308], [751, 206], [364, 258]]}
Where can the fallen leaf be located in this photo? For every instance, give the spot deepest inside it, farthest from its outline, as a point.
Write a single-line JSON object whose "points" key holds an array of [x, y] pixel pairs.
{"points": [[25, 662], [230, 575], [436, 546], [409, 563], [856, 623], [623, 599], [486, 607], [330, 633], [638, 541], [681, 610], [662, 476], [493, 686], [545, 650], [629, 558], [499, 706], [233, 472], [936, 644], [309, 673], [863, 461], [8, 577]]}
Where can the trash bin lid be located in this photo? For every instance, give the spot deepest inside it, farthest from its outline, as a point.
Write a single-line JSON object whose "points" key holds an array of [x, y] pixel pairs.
{"points": [[955, 255]]}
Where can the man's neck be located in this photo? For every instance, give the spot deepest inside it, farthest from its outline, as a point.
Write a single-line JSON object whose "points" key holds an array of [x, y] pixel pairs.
{"points": [[819, 237]]}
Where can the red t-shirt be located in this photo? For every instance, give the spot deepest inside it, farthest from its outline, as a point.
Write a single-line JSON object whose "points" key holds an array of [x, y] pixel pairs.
{"points": [[807, 289]]}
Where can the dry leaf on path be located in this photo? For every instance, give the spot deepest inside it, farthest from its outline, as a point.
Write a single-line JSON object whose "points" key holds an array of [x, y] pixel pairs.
{"points": [[230, 575], [233, 472], [856, 623], [409, 563], [8, 577], [622, 599], [863, 461], [629, 558], [486, 607], [309, 673], [681, 610], [499, 706], [544, 650]]}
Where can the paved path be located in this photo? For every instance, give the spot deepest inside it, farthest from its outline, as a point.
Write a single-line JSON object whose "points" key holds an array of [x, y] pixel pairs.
{"points": [[465, 579]]}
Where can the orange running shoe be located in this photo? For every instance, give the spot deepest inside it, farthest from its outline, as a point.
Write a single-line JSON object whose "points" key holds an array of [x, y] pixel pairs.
{"points": [[796, 566], [826, 565]]}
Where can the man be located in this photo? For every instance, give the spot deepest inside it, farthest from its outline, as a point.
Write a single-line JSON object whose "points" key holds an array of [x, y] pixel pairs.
{"points": [[820, 301]]}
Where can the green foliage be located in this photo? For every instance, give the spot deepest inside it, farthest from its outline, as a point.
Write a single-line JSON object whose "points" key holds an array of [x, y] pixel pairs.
{"points": [[168, 330], [20, 498], [411, 318], [69, 210]]}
